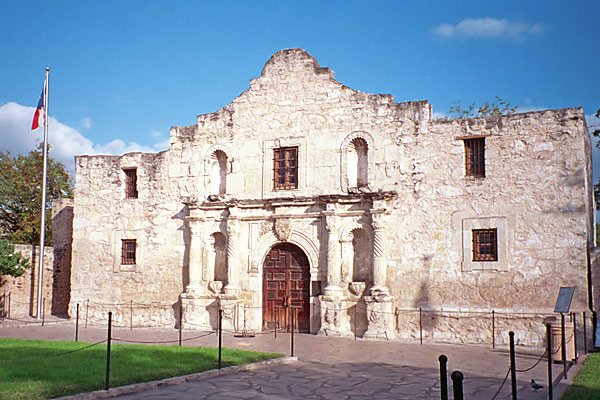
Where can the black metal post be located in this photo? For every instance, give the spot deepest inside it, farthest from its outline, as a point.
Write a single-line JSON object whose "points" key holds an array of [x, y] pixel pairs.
{"points": [[9, 304], [574, 318], [549, 351], [107, 384], [457, 379], [443, 377], [584, 335], [131, 316], [594, 327], [513, 368], [493, 330], [292, 335], [180, 322], [563, 350], [87, 309], [276, 320], [420, 325], [355, 321], [43, 310], [77, 324], [220, 334]]}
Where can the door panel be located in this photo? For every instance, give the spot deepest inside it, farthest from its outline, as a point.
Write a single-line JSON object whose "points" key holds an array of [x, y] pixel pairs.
{"points": [[286, 278]]}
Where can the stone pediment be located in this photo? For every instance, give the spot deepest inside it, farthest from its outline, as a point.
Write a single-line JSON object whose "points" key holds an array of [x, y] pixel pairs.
{"points": [[293, 61]]}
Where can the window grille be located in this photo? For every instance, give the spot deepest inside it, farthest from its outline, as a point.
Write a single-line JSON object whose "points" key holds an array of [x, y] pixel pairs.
{"points": [[128, 248], [485, 244], [475, 157], [131, 183], [285, 168]]}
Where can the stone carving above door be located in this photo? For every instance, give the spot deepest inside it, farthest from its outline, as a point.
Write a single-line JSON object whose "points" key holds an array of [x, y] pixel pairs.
{"points": [[283, 229]]}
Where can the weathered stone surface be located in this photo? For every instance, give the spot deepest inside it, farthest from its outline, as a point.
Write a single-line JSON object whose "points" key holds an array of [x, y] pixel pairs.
{"points": [[375, 177]]}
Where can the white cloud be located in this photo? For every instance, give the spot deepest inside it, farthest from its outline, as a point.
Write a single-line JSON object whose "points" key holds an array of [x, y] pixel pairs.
{"points": [[488, 27], [155, 133], [86, 123], [16, 136]]}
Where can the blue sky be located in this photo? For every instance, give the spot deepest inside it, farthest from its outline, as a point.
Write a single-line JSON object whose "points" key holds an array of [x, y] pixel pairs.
{"points": [[123, 72]]}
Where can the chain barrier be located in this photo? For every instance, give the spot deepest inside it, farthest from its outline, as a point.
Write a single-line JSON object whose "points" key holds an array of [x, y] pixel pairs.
{"points": [[52, 355], [164, 341], [502, 385], [535, 364]]}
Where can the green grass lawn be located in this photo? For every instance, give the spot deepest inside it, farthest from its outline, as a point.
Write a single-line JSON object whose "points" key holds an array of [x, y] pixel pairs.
{"points": [[85, 370], [586, 384]]}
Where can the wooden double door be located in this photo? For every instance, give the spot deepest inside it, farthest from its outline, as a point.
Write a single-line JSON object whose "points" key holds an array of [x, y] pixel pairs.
{"points": [[286, 287]]}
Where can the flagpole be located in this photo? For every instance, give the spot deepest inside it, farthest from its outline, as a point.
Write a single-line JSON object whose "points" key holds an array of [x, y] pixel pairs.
{"points": [[43, 222]]}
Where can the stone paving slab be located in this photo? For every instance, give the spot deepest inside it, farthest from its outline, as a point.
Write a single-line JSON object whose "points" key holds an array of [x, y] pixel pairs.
{"points": [[332, 368]]}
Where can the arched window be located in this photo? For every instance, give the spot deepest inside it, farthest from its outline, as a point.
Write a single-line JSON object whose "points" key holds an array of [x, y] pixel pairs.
{"points": [[218, 172], [219, 252], [361, 261], [358, 163]]}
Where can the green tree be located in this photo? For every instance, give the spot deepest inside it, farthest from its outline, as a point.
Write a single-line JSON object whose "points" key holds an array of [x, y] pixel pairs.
{"points": [[21, 195], [11, 263], [496, 108]]}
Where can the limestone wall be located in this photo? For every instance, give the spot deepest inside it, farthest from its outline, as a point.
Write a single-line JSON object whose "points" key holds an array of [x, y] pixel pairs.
{"points": [[23, 290], [537, 192]]}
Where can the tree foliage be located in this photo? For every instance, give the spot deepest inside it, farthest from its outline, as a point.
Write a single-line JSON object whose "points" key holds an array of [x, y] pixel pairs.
{"points": [[21, 194], [11, 263], [496, 108]]}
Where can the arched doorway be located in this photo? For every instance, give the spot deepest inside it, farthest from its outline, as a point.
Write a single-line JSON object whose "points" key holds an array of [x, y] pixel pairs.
{"points": [[286, 282]]}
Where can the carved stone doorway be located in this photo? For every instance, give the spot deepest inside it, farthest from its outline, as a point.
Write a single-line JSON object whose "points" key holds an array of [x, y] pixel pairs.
{"points": [[286, 282]]}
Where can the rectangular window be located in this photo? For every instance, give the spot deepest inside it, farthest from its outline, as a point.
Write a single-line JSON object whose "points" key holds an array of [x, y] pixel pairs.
{"points": [[131, 183], [285, 168], [485, 244], [128, 247], [475, 157]]}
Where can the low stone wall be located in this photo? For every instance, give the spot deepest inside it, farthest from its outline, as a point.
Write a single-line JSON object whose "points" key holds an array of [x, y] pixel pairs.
{"points": [[23, 290]]}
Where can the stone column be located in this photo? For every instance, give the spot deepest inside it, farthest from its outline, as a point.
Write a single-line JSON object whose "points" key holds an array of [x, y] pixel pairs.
{"points": [[233, 256], [333, 256], [379, 254], [195, 285]]}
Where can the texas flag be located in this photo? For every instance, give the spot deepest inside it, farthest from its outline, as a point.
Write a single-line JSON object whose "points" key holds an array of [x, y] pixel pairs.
{"points": [[40, 106]]}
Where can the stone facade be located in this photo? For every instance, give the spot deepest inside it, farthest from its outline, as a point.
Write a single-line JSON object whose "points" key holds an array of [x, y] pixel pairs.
{"points": [[374, 194]]}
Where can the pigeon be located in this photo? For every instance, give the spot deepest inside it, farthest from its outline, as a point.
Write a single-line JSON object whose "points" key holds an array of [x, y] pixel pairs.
{"points": [[535, 385]]}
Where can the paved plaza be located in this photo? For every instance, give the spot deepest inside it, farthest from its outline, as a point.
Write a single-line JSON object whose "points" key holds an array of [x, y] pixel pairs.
{"points": [[329, 368]]}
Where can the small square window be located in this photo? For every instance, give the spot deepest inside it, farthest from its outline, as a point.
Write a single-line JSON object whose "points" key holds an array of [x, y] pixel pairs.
{"points": [[285, 168], [485, 244], [475, 157], [131, 183], [128, 250]]}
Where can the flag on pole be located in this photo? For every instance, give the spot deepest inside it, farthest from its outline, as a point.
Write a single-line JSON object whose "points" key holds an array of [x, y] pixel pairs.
{"points": [[40, 106]]}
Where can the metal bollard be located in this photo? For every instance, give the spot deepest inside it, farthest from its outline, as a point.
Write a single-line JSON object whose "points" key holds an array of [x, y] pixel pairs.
{"points": [[457, 386], [493, 330], [107, 383], [220, 334], [443, 377], [513, 367], [563, 346], [180, 322], [584, 335], [549, 351], [77, 324], [131, 316], [420, 325], [292, 335], [574, 318]]}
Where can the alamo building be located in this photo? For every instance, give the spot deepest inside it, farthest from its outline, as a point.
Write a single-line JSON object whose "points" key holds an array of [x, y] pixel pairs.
{"points": [[348, 208]]}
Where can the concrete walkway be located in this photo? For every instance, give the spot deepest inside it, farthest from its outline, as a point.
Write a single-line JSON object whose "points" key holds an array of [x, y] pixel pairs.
{"points": [[331, 368]]}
